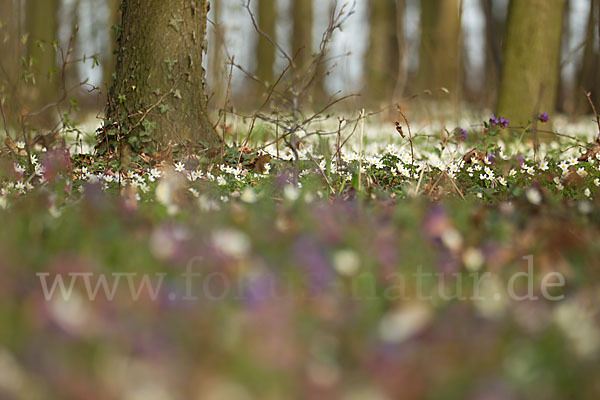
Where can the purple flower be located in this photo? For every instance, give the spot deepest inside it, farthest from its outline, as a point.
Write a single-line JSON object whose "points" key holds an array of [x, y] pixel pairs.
{"points": [[504, 122], [464, 134], [493, 120], [543, 117]]}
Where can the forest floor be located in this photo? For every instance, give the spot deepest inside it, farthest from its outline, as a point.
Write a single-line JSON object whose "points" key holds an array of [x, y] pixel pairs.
{"points": [[457, 262]]}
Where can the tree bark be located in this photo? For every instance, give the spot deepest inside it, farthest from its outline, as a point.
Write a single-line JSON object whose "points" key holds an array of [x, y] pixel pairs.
{"points": [[218, 73], [441, 47], [158, 95], [495, 27], [108, 66], [586, 75], [532, 54], [9, 71], [41, 23], [302, 32], [382, 58], [265, 51]]}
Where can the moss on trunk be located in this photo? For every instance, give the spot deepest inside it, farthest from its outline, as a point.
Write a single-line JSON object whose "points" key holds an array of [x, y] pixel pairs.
{"points": [[158, 95]]}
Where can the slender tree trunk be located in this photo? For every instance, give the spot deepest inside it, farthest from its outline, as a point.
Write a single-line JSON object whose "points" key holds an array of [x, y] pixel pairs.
{"points": [[382, 57], [158, 95], [495, 27], [41, 21], [321, 94], [265, 51], [114, 21], [440, 50], [401, 49], [217, 60], [302, 18], [9, 63], [563, 94], [532, 55]]}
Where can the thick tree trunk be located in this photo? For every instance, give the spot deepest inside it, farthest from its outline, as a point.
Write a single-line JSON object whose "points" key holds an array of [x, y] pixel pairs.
{"points": [[302, 32], [265, 51], [531, 59], [41, 21], [9, 73], [158, 95], [440, 49], [382, 58]]}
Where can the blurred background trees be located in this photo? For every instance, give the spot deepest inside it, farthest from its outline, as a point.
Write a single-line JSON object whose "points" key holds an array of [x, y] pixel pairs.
{"points": [[541, 55], [530, 76]]}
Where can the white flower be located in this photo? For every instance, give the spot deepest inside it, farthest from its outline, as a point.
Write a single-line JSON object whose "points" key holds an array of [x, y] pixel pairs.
{"points": [[108, 178], [399, 325], [231, 242], [346, 262], [582, 172], [291, 193], [473, 259], [39, 169], [544, 165], [267, 167], [534, 196], [573, 161], [20, 145], [194, 192], [322, 165], [512, 172], [33, 159], [221, 181], [20, 186], [597, 182], [3, 203], [587, 192], [249, 196], [563, 165], [155, 173], [179, 167], [19, 168], [502, 181]]}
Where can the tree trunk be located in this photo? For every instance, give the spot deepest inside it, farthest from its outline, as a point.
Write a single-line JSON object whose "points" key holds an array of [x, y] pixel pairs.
{"points": [[108, 66], [41, 22], [9, 73], [265, 51], [302, 32], [586, 75], [401, 49], [158, 95], [440, 49], [495, 27], [382, 58], [531, 59], [218, 74]]}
